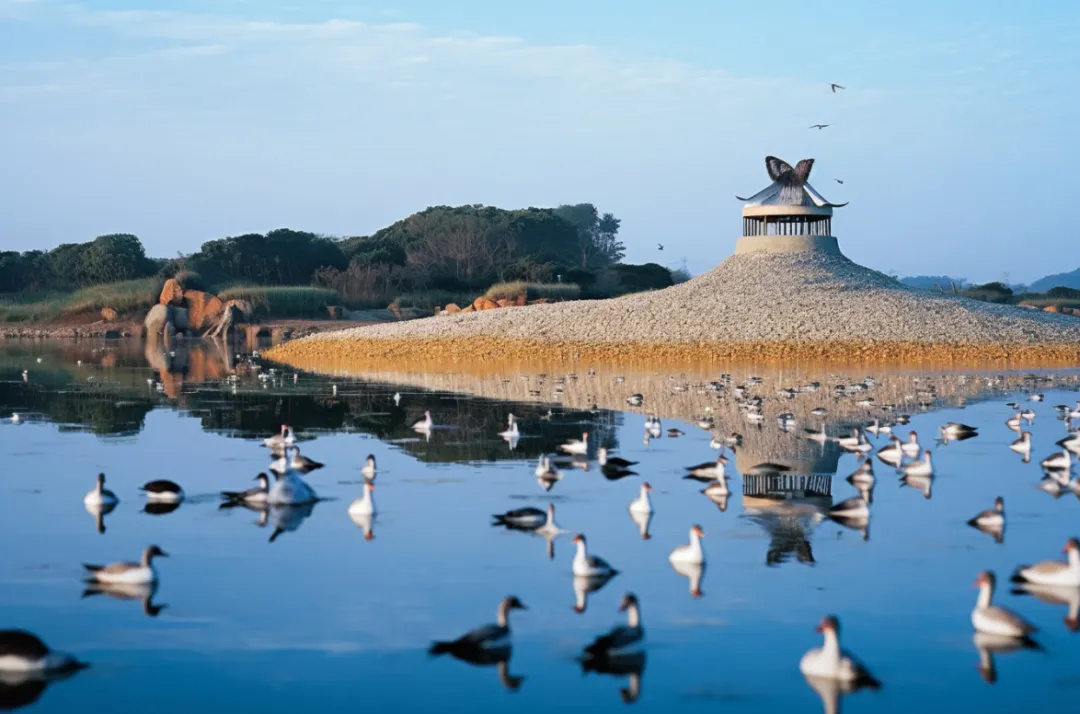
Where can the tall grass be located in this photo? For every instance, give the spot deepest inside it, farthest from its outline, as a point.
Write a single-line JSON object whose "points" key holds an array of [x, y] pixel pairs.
{"points": [[128, 296], [534, 291], [284, 301]]}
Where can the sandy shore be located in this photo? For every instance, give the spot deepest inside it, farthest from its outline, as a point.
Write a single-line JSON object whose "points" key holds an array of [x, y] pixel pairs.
{"points": [[761, 308]]}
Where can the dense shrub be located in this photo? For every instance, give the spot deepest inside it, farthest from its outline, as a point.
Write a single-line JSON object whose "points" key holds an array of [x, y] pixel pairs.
{"points": [[990, 292], [106, 259], [637, 278], [281, 257], [363, 285]]}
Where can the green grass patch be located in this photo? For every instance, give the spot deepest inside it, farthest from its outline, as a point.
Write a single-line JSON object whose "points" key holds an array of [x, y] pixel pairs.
{"points": [[534, 291], [284, 301], [129, 296]]}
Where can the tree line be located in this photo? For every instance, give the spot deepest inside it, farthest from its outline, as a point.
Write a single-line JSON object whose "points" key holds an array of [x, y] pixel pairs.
{"points": [[448, 248]]}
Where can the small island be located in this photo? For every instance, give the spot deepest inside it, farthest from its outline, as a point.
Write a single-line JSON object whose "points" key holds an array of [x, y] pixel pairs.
{"points": [[787, 296]]}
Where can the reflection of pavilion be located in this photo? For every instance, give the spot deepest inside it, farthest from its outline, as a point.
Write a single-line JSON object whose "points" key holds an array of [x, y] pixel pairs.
{"points": [[789, 503]]}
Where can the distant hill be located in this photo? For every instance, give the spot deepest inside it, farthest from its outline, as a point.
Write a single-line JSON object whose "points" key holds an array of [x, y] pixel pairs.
{"points": [[933, 282], [1067, 280]]}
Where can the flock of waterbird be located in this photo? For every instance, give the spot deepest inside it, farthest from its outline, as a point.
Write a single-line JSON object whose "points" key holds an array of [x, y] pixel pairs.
{"points": [[828, 668]]}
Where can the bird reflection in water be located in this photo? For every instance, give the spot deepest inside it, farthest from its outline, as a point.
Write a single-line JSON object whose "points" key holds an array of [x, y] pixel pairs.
{"points": [[1055, 595], [160, 508], [287, 519], [631, 666], [99, 511], [144, 593], [21, 689], [990, 645], [487, 645], [584, 585], [859, 524], [365, 522], [832, 691], [694, 571], [642, 520], [620, 652], [922, 484], [789, 525]]}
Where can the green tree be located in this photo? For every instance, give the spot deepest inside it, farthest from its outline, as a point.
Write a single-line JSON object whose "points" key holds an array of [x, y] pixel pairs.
{"points": [[598, 243], [281, 257]]}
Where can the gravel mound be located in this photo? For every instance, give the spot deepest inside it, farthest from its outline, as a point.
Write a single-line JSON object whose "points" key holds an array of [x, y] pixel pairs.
{"points": [[755, 297]]}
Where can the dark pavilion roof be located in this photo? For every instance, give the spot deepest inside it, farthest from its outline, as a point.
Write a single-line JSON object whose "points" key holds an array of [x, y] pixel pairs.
{"points": [[790, 186]]}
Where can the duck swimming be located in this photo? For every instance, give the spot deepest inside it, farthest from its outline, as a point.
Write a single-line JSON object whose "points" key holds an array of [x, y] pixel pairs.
{"points": [[424, 425], [708, 470], [162, 491], [369, 468], [642, 504], [623, 639], [1053, 572], [290, 490], [483, 640], [911, 447], [832, 662], [256, 496], [693, 553], [590, 566], [280, 441], [994, 619], [575, 446], [128, 573], [365, 505], [99, 496], [24, 653], [292, 459], [604, 459], [528, 518]]}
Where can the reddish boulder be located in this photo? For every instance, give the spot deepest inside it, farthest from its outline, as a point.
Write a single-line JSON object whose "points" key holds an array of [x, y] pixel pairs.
{"points": [[108, 314], [470, 308], [204, 310], [172, 293], [452, 309], [521, 300], [336, 312], [482, 303], [502, 303], [1051, 308]]}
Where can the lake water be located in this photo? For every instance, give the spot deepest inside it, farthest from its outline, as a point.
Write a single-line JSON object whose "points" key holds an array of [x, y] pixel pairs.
{"points": [[286, 612]]}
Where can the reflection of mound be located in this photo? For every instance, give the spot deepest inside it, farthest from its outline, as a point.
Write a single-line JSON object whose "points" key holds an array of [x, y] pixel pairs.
{"points": [[788, 486], [789, 524], [800, 456]]}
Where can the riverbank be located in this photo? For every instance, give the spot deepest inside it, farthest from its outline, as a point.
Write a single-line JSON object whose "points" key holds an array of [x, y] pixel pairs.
{"points": [[284, 329], [811, 307]]}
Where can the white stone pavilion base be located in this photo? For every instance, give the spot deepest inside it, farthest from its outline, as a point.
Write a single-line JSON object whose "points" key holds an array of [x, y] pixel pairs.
{"points": [[788, 244]]}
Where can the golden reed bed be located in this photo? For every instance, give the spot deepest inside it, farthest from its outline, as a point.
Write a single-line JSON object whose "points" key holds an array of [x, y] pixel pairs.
{"points": [[481, 354]]}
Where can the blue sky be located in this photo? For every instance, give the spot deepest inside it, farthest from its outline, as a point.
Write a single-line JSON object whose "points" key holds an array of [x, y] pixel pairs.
{"points": [[186, 121]]}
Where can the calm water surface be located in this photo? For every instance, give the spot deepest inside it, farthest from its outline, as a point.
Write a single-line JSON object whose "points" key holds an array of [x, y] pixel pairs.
{"points": [[289, 611]]}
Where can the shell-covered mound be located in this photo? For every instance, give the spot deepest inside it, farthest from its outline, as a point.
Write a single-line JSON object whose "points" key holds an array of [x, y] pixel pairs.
{"points": [[796, 305]]}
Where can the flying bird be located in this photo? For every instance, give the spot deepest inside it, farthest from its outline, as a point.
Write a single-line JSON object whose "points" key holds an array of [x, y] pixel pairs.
{"points": [[659, 246], [834, 86], [818, 126], [838, 181]]}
